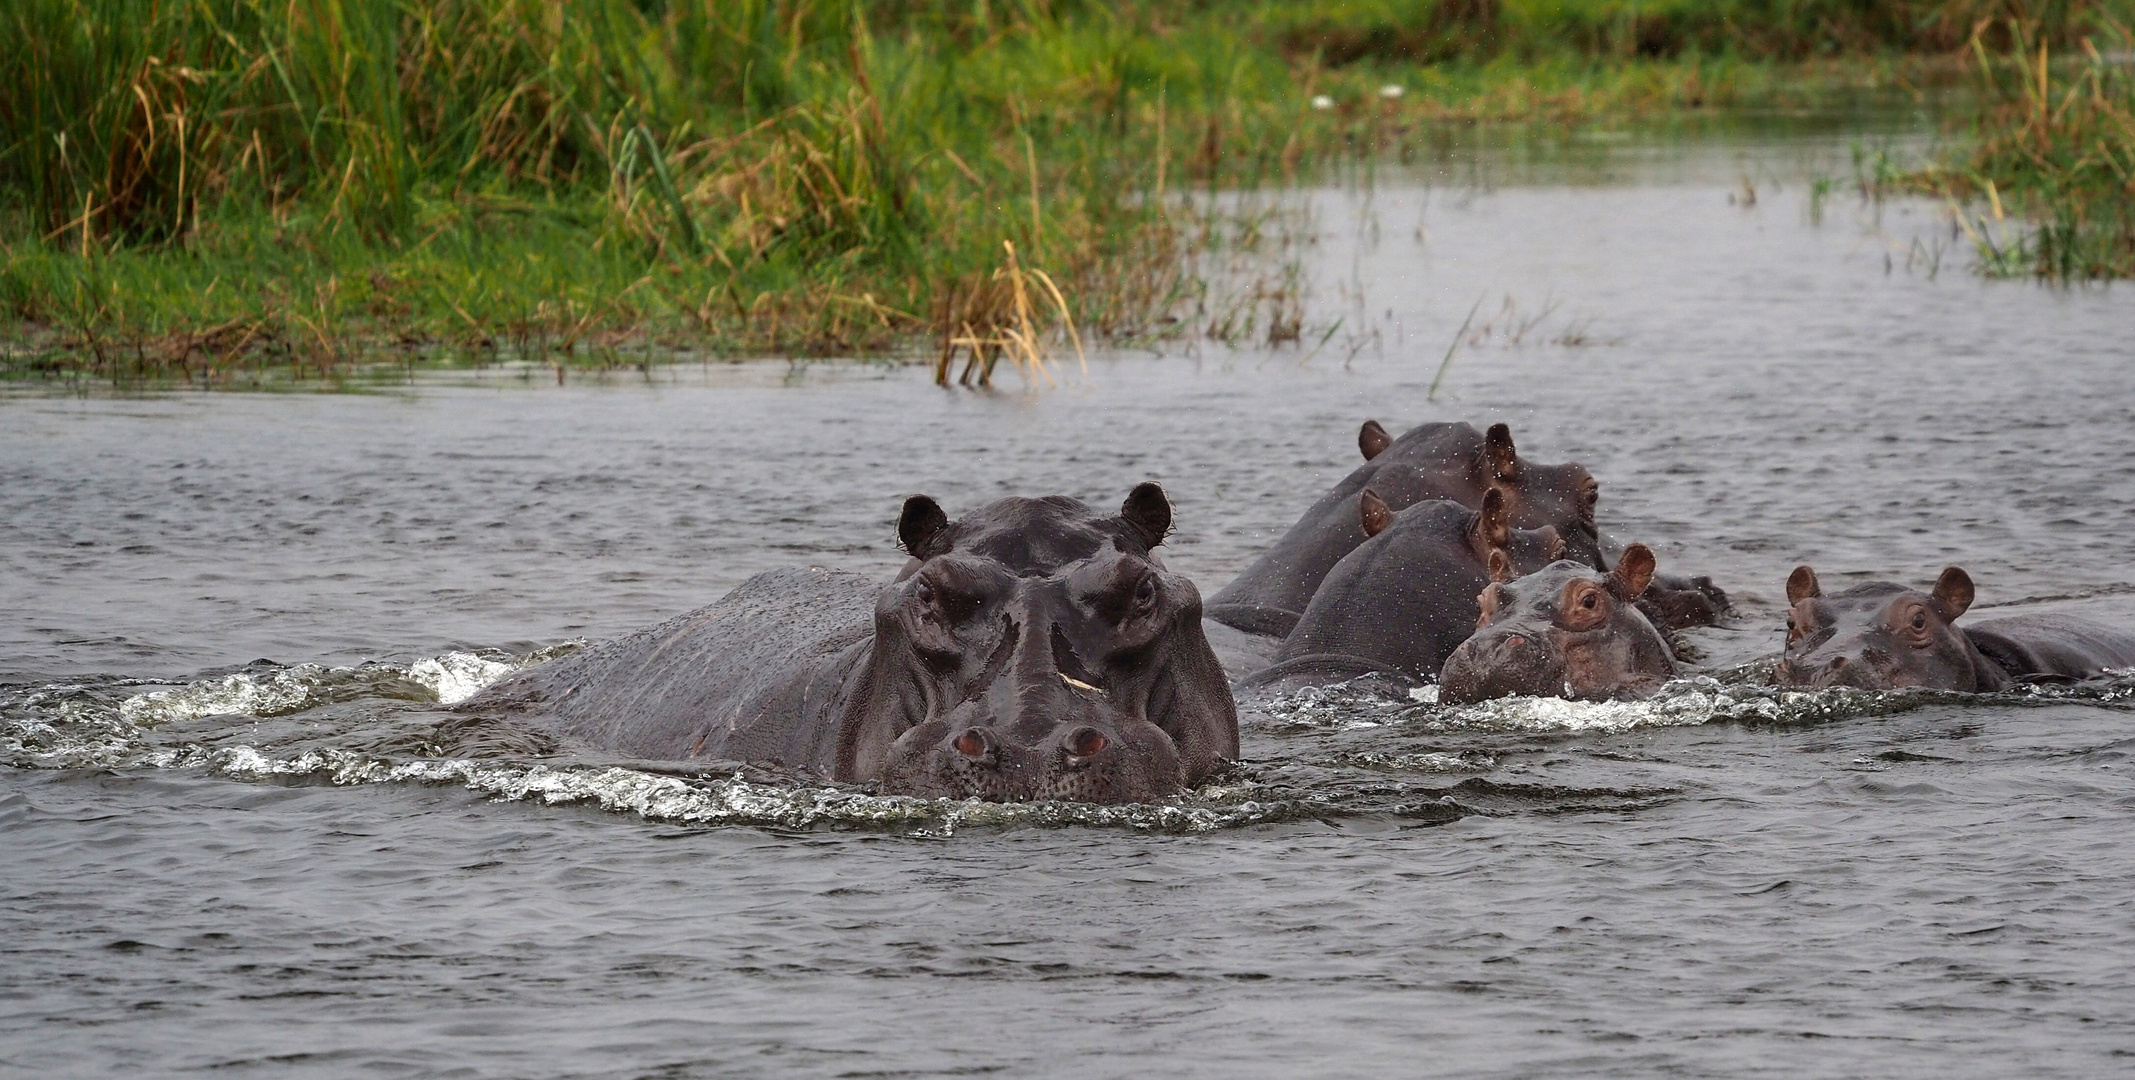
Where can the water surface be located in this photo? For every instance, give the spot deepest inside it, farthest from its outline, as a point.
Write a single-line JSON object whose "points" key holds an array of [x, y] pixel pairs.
{"points": [[240, 836]]}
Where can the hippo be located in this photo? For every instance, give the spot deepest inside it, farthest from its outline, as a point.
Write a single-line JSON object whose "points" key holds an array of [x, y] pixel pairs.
{"points": [[1033, 649], [1881, 635], [1450, 461], [1565, 630], [1398, 605]]}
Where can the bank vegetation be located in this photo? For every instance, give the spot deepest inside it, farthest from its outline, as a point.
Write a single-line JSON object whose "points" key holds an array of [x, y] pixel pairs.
{"points": [[212, 186]]}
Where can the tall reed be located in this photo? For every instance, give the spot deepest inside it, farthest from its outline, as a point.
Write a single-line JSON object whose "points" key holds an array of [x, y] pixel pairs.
{"points": [[2055, 144], [211, 182]]}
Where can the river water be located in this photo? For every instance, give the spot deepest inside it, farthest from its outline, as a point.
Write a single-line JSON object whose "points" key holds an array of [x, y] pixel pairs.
{"points": [[237, 834]]}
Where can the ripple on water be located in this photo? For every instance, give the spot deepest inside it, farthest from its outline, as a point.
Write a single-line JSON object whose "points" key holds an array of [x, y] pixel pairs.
{"points": [[221, 725], [85, 725]]}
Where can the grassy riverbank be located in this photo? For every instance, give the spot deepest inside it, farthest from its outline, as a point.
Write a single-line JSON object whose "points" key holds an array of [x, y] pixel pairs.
{"points": [[203, 186]]}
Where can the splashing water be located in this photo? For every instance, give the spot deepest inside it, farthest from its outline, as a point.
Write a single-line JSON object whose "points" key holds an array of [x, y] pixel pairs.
{"points": [[83, 725], [115, 724], [457, 676]]}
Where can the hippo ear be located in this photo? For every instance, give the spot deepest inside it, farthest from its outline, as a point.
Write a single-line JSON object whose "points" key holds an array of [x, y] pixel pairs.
{"points": [[1634, 571], [1373, 439], [921, 524], [1500, 566], [1493, 523], [1953, 593], [1589, 498], [1374, 512], [1552, 544], [1499, 452], [1801, 585], [1148, 511]]}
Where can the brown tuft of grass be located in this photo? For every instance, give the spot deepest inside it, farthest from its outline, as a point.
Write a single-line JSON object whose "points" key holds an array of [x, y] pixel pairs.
{"points": [[1002, 315]]}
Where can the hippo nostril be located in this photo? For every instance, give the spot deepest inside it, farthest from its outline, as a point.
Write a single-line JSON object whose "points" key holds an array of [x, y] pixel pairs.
{"points": [[1085, 742], [974, 743]]}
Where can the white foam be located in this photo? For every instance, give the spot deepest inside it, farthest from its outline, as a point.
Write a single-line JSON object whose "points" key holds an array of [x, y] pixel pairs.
{"points": [[244, 694], [1335, 706], [80, 725], [1429, 762], [1683, 703], [452, 676], [456, 676], [727, 801]]}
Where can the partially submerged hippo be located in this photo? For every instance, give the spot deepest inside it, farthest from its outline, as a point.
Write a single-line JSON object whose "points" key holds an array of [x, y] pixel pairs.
{"points": [[1566, 630], [1881, 635], [1399, 604], [1034, 649], [1428, 462]]}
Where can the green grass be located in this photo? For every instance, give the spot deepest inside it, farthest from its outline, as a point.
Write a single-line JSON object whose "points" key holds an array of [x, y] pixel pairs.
{"points": [[2052, 146], [215, 185]]}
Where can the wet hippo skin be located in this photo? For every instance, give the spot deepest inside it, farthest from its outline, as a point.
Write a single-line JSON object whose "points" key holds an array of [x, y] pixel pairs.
{"points": [[1450, 461], [1881, 635], [1399, 604], [1034, 649], [1566, 630]]}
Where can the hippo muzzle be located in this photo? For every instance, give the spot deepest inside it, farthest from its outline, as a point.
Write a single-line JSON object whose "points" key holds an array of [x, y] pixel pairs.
{"points": [[1074, 750], [1508, 662], [1851, 664]]}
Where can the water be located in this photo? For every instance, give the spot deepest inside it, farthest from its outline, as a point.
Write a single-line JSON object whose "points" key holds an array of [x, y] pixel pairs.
{"points": [[302, 867]]}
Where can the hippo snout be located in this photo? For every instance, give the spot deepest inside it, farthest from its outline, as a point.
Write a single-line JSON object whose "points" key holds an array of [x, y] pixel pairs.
{"points": [[973, 760], [1082, 747], [976, 745], [1082, 758], [1502, 664], [1827, 671]]}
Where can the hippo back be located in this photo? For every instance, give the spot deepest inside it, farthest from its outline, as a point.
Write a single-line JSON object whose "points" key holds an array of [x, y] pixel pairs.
{"points": [[2052, 646], [1429, 461], [1402, 601], [758, 676]]}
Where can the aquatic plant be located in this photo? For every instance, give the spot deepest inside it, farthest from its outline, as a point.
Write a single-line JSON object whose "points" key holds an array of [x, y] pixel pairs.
{"points": [[2054, 144]]}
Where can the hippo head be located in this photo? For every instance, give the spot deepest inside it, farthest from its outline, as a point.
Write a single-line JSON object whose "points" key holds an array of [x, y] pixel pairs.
{"points": [[1566, 630], [1037, 649], [1563, 496], [1880, 635], [1488, 533]]}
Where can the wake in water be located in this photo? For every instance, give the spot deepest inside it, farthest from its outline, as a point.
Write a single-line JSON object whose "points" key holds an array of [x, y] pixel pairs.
{"points": [[1322, 752]]}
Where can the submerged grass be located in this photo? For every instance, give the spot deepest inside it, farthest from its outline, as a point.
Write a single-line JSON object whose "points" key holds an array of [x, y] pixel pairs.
{"points": [[2054, 144], [206, 187]]}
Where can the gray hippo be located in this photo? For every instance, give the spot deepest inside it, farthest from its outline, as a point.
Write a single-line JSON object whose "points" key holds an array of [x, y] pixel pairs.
{"points": [[1430, 461], [1880, 635], [1033, 649], [1438, 461], [1400, 603], [1565, 630]]}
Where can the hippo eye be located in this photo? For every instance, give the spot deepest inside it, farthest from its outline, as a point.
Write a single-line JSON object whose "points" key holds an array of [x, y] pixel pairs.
{"points": [[1145, 592], [1919, 620], [923, 592], [1587, 601]]}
